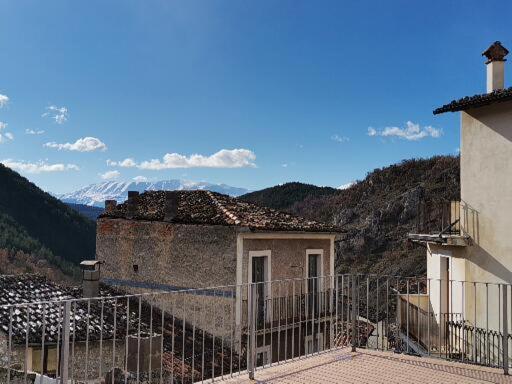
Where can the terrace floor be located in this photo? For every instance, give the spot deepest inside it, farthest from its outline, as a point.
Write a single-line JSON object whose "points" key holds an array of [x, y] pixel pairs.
{"points": [[366, 366]]}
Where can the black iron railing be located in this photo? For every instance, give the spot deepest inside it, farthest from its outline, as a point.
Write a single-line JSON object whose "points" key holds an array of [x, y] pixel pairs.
{"points": [[438, 218]]}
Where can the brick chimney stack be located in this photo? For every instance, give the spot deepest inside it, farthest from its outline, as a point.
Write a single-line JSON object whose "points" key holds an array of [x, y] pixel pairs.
{"points": [[495, 55]]}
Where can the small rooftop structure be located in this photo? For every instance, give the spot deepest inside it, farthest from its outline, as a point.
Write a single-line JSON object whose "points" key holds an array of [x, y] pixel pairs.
{"points": [[496, 52], [90, 265], [496, 91], [210, 208], [90, 277]]}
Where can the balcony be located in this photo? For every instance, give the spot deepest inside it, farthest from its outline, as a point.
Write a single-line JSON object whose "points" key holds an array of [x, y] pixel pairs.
{"points": [[439, 222], [341, 366], [348, 326]]}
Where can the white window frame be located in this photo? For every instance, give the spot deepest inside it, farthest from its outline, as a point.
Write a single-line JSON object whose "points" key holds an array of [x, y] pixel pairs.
{"points": [[268, 266], [268, 276], [317, 252], [319, 339], [264, 349]]}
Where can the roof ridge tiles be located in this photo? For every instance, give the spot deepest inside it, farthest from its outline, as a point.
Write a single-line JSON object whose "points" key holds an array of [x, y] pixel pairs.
{"points": [[224, 210], [213, 208]]}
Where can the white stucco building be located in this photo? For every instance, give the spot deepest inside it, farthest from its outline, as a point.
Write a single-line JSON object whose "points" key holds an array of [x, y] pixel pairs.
{"points": [[467, 262]]}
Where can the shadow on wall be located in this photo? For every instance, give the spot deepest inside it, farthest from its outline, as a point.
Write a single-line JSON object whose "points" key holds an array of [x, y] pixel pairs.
{"points": [[483, 259], [470, 221], [495, 117], [476, 253]]}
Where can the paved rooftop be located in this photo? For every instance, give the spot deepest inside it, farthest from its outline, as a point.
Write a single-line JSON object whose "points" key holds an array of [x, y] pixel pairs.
{"points": [[365, 366]]}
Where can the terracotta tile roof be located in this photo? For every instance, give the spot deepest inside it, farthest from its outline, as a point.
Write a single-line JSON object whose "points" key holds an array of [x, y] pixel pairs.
{"points": [[44, 299], [48, 298], [476, 101], [211, 208]]}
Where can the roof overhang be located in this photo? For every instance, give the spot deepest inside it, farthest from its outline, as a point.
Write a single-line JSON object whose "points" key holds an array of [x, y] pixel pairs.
{"points": [[476, 101]]}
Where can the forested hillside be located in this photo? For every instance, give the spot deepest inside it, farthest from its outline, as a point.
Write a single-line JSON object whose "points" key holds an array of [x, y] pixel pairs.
{"points": [[376, 213], [38, 224], [90, 211], [284, 196]]}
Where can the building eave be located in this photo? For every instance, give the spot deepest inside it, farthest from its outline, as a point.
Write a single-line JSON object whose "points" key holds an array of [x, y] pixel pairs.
{"points": [[476, 101]]}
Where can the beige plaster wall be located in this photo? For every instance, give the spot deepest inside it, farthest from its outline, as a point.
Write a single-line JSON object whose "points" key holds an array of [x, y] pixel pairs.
{"points": [[486, 191], [486, 216], [288, 256]]}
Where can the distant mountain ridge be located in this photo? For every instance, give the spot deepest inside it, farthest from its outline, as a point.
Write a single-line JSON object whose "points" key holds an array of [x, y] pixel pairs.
{"points": [[96, 194]]}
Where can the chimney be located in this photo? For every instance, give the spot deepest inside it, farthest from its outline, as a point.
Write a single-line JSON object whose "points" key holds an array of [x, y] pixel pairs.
{"points": [[110, 205], [133, 197], [90, 278], [495, 66], [171, 205]]}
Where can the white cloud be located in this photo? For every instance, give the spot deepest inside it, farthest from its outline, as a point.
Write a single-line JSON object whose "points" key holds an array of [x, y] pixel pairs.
{"points": [[5, 136], [126, 163], [285, 165], [339, 138], [3, 100], [39, 167], [110, 175], [372, 131], [225, 158], [85, 144], [411, 132], [347, 185], [140, 179], [59, 114], [33, 132]]}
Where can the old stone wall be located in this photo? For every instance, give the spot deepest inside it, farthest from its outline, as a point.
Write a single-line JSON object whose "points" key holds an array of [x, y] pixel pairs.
{"points": [[159, 255], [170, 257]]}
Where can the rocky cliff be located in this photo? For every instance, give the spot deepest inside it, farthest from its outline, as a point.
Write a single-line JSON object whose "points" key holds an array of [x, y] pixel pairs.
{"points": [[377, 213]]}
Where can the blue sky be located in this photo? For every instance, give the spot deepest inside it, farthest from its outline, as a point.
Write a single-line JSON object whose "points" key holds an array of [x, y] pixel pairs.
{"points": [[263, 92]]}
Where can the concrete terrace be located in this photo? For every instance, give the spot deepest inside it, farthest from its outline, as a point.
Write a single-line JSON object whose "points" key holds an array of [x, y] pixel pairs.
{"points": [[366, 366]]}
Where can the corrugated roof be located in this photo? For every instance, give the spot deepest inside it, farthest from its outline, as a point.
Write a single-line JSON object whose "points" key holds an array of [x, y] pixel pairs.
{"points": [[211, 208]]}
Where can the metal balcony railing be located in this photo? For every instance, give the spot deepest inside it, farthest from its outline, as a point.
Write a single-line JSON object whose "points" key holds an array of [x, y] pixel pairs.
{"points": [[208, 334], [438, 218]]}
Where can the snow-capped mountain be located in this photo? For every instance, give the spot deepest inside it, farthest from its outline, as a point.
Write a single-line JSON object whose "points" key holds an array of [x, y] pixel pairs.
{"points": [[96, 194]]}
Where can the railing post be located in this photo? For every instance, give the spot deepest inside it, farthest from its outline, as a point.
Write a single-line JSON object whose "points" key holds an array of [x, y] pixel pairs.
{"points": [[251, 328], [354, 313], [66, 325], [505, 329]]}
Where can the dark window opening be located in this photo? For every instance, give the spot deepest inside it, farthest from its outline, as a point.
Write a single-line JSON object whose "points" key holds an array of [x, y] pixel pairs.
{"points": [[258, 277], [136, 268]]}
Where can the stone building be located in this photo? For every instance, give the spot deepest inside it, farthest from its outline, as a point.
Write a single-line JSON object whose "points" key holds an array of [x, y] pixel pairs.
{"points": [[172, 241]]}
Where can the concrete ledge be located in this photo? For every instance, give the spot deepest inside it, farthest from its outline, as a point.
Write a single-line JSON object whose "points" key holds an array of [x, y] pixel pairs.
{"points": [[450, 240]]}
